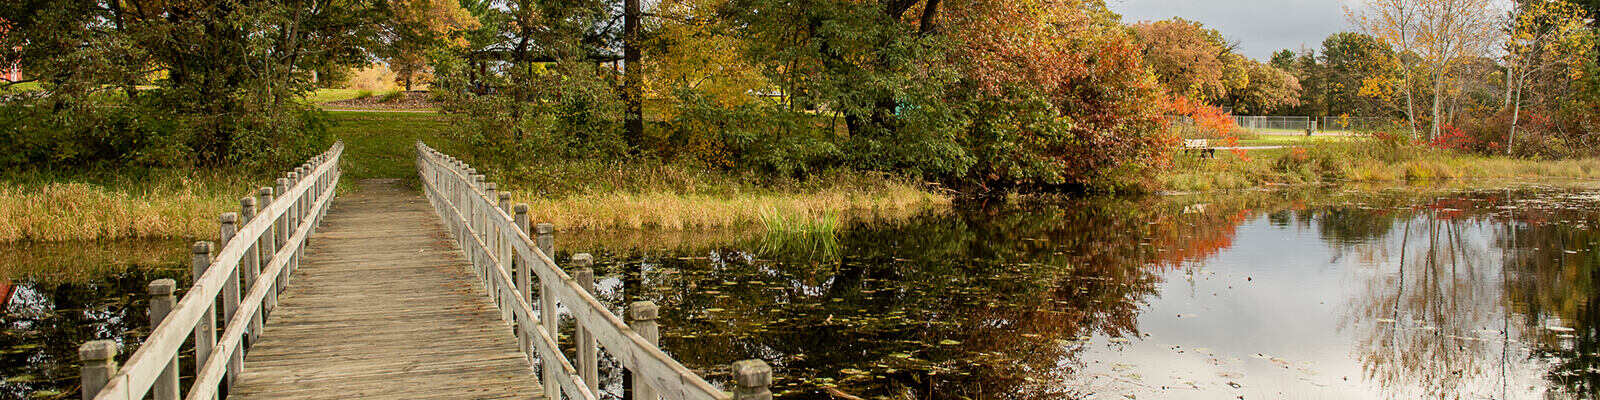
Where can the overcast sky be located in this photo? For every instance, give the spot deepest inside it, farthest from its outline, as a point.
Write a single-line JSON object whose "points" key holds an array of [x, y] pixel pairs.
{"points": [[1259, 26]]}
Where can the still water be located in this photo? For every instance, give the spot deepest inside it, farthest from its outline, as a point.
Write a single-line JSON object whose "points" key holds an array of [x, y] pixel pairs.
{"points": [[1322, 294], [1284, 294]]}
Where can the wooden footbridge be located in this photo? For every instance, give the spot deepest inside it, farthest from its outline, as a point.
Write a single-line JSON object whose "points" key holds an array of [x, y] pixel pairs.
{"points": [[370, 296]]}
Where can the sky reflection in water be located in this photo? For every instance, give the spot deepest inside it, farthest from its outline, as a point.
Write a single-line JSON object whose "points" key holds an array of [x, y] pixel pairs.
{"points": [[1481, 294]]}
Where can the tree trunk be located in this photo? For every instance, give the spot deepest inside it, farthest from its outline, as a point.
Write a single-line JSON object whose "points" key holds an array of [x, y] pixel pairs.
{"points": [[1438, 105], [1411, 105], [633, 77], [1516, 115]]}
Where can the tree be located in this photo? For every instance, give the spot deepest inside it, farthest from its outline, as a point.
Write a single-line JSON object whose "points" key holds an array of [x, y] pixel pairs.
{"points": [[416, 27], [1440, 34], [200, 81], [1348, 60], [1186, 57], [1542, 35]]}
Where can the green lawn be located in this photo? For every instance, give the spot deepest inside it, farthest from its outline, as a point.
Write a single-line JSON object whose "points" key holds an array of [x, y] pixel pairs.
{"points": [[1297, 140], [378, 144], [330, 95]]}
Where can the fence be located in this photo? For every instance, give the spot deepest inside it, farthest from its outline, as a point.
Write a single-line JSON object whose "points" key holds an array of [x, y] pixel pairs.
{"points": [[495, 236], [1254, 123], [264, 251], [1352, 124]]}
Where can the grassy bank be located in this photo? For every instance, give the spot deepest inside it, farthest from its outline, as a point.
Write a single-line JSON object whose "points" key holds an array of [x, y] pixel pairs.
{"points": [[1358, 161], [589, 195], [121, 204]]}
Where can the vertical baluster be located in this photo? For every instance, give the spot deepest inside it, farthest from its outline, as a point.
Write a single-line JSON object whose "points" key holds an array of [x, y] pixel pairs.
{"points": [[503, 251], [230, 296], [524, 283], [547, 305], [251, 265], [491, 247], [752, 379], [282, 227], [642, 319], [588, 354], [99, 363], [266, 249], [291, 222], [205, 332], [161, 303]]}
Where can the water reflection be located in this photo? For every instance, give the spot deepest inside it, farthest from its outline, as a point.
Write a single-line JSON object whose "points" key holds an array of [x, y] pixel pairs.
{"points": [[63, 294], [1312, 294]]}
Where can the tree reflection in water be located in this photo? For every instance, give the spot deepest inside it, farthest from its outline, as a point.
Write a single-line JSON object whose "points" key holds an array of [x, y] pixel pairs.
{"points": [[1004, 303]]}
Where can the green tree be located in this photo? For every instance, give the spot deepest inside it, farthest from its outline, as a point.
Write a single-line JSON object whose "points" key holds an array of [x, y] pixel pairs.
{"points": [[227, 77]]}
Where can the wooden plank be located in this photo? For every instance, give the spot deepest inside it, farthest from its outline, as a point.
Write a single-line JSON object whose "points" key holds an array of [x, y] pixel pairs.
{"points": [[135, 379], [384, 316], [671, 379]]}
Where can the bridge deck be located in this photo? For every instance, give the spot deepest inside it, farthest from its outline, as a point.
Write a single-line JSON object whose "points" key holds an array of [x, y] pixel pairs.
{"points": [[384, 306]]}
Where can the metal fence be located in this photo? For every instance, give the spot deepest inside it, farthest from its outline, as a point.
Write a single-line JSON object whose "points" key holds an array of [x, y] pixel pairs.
{"points": [[1350, 123], [1272, 123], [1291, 124]]}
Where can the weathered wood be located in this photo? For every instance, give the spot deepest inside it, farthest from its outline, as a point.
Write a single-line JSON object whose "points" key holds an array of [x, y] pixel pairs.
{"points": [[98, 361], [547, 303], [524, 283], [161, 302], [373, 315], [642, 318], [145, 365], [205, 332], [671, 379], [751, 380], [230, 293], [250, 264], [588, 356]]}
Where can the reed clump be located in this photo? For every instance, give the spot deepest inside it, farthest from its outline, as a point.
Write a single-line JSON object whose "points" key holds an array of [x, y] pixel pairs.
{"points": [[1361, 161], [165, 204]]}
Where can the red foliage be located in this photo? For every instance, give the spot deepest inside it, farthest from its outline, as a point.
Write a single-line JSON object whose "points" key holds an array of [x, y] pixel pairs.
{"points": [[1452, 138]]}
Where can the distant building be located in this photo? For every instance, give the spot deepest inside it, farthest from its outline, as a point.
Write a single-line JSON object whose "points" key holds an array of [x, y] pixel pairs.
{"points": [[12, 73]]}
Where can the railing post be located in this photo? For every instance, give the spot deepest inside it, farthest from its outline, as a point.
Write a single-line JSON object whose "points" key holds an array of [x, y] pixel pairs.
{"points": [[99, 358], [251, 265], [230, 295], [503, 251], [642, 319], [161, 303], [267, 249], [292, 224], [547, 310], [752, 379], [205, 332], [524, 283], [588, 356], [547, 240], [281, 225]]}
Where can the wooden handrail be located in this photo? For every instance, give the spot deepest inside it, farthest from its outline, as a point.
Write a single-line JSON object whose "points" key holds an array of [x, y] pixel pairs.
{"points": [[452, 187], [293, 208]]}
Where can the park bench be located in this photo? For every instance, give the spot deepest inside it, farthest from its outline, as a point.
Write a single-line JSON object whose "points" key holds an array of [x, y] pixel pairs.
{"points": [[1202, 146]]}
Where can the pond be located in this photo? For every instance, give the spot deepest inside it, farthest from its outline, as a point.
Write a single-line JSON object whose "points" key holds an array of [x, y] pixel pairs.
{"points": [[1302, 294], [1314, 293], [56, 296]]}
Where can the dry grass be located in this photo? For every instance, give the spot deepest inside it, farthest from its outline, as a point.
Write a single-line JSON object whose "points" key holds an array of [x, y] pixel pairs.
{"points": [[162, 204], [1361, 162], [692, 211]]}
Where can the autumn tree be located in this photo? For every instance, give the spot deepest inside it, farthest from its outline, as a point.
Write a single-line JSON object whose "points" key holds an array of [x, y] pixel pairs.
{"points": [[416, 27], [1542, 37], [1433, 37], [1186, 57], [1347, 60]]}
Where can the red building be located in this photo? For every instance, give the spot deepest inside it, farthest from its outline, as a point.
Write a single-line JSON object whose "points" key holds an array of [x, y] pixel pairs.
{"points": [[13, 72]]}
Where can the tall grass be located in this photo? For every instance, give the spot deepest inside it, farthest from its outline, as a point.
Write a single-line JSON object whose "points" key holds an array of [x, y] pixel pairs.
{"points": [[806, 211], [1360, 161], [147, 204]]}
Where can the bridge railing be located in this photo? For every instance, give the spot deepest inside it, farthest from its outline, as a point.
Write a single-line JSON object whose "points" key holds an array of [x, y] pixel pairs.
{"points": [[263, 247], [496, 238]]}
